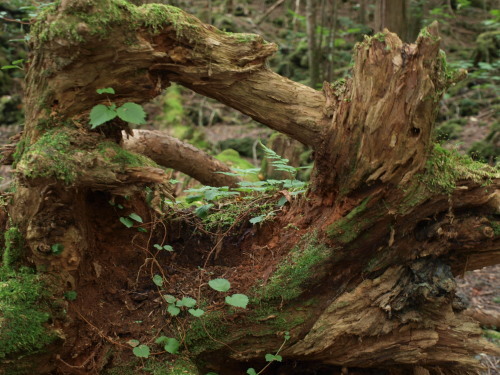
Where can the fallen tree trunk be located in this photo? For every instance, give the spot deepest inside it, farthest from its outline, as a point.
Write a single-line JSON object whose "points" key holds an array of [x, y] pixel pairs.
{"points": [[356, 276]]}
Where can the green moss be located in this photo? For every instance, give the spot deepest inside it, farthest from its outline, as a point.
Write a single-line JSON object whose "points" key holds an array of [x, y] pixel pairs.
{"points": [[155, 366], [414, 195], [117, 155], [181, 366], [127, 368], [339, 86], [445, 167], [272, 320], [97, 17], [496, 228], [22, 313], [14, 243], [349, 227], [65, 154], [492, 335], [21, 147], [293, 273], [448, 75], [367, 41], [202, 332], [380, 37], [52, 156]]}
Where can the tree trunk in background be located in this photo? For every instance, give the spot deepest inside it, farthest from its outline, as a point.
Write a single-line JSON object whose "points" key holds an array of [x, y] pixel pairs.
{"points": [[312, 42], [332, 35], [362, 19], [229, 6], [295, 21], [393, 15], [357, 275], [287, 148]]}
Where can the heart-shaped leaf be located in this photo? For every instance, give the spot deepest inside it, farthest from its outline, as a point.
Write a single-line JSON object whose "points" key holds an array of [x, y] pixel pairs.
{"points": [[172, 345], [161, 340], [132, 112], [141, 351], [186, 302], [133, 343], [173, 310], [158, 280], [107, 90], [220, 285], [272, 357], [237, 300], [127, 222], [196, 312], [135, 217], [169, 298], [101, 114]]}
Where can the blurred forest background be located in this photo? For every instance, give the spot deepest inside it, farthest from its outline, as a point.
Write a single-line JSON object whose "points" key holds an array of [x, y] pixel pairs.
{"points": [[315, 39]]}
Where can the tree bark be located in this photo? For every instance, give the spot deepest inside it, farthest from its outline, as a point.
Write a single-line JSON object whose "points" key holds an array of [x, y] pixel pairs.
{"points": [[312, 41], [172, 153], [393, 15], [360, 272]]}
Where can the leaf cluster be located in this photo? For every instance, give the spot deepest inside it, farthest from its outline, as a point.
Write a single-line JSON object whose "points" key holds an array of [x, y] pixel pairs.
{"points": [[222, 207], [128, 112]]}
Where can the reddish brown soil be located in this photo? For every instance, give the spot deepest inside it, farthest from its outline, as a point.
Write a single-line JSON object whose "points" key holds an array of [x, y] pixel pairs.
{"points": [[117, 300]]}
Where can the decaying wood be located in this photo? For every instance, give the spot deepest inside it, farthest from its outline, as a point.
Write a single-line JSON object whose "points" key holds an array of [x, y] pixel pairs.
{"points": [[173, 153], [389, 234]]}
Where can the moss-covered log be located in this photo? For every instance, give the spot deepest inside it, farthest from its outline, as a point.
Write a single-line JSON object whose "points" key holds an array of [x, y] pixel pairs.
{"points": [[356, 276]]}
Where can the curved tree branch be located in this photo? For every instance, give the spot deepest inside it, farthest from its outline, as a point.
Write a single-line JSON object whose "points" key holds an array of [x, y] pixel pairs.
{"points": [[173, 153], [228, 67]]}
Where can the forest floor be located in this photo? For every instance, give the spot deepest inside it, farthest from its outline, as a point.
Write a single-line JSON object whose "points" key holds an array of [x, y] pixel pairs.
{"points": [[481, 289]]}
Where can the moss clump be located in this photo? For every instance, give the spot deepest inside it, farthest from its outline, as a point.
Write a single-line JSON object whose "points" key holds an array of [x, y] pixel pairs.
{"points": [[425, 33], [448, 75], [380, 37], [272, 320], [445, 167], [349, 227], [97, 17], [492, 335], [22, 314], [52, 156], [21, 147], [181, 366], [204, 330], [496, 228], [66, 154], [14, 243], [296, 270], [117, 155]]}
